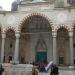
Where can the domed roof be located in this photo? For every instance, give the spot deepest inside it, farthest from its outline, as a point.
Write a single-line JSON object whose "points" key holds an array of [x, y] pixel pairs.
{"points": [[14, 6]]}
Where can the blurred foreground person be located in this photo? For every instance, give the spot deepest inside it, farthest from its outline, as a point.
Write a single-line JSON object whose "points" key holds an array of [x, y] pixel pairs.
{"points": [[54, 70], [1, 69]]}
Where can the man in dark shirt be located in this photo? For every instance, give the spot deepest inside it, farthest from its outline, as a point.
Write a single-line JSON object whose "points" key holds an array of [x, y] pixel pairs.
{"points": [[54, 70], [1, 69]]}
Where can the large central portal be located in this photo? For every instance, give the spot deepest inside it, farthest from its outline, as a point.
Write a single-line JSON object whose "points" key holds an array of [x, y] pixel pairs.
{"points": [[41, 50], [36, 40]]}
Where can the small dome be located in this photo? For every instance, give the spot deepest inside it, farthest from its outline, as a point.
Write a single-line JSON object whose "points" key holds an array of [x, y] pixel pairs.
{"points": [[14, 6], [1, 8]]}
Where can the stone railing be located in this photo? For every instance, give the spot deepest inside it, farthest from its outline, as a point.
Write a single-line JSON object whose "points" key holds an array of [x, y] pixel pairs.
{"points": [[20, 69]]}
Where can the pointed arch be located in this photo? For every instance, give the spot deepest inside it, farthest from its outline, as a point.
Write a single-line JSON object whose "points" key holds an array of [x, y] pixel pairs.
{"points": [[9, 45], [41, 44], [63, 46], [36, 14], [62, 26]]}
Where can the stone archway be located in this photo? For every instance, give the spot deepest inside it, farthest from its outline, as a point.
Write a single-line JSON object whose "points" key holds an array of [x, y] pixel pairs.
{"points": [[9, 46], [32, 29], [63, 46]]}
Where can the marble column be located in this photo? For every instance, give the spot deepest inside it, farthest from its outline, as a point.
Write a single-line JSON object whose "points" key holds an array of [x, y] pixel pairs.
{"points": [[54, 48], [71, 47], [2, 47], [16, 53]]}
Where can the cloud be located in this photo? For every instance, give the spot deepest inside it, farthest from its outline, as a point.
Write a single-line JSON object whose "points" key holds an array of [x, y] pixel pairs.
{"points": [[6, 4]]}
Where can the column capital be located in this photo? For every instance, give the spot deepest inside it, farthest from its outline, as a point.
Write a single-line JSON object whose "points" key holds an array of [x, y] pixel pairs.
{"points": [[17, 35], [3, 35], [70, 33], [54, 34]]}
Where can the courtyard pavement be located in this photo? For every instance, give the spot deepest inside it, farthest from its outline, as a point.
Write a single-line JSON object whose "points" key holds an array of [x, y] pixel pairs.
{"points": [[61, 72]]}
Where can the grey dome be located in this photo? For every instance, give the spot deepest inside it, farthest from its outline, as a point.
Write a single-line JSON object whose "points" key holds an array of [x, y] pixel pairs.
{"points": [[14, 6]]}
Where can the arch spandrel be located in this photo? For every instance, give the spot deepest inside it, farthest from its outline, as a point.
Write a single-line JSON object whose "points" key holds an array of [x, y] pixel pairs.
{"points": [[63, 45], [9, 44]]}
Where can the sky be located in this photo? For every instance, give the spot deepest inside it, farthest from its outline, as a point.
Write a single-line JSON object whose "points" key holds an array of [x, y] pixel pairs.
{"points": [[6, 4]]}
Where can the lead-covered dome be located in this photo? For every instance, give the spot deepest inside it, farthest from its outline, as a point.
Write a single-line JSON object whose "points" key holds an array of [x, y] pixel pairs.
{"points": [[14, 6]]}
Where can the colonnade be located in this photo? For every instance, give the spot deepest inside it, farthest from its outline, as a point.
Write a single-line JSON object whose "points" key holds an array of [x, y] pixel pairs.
{"points": [[54, 35]]}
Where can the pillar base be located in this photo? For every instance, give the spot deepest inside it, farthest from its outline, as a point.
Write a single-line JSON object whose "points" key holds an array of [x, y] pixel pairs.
{"points": [[71, 67], [14, 62], [67, 67]]}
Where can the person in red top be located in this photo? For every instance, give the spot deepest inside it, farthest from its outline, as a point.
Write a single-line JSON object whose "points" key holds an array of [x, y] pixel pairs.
{"points": [[42, 67]]}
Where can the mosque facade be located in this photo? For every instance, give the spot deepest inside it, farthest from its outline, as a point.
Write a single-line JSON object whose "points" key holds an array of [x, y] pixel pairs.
{"points": [[38, 31]]}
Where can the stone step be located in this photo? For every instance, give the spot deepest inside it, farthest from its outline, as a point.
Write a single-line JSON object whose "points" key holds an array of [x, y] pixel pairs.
{"points": [[61, 72]]}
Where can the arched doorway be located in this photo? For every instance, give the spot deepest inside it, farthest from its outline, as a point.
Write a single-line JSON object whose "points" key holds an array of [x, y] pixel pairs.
{"points": [[63, 46], [36, 40], [74, 43], [9, 46]]}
